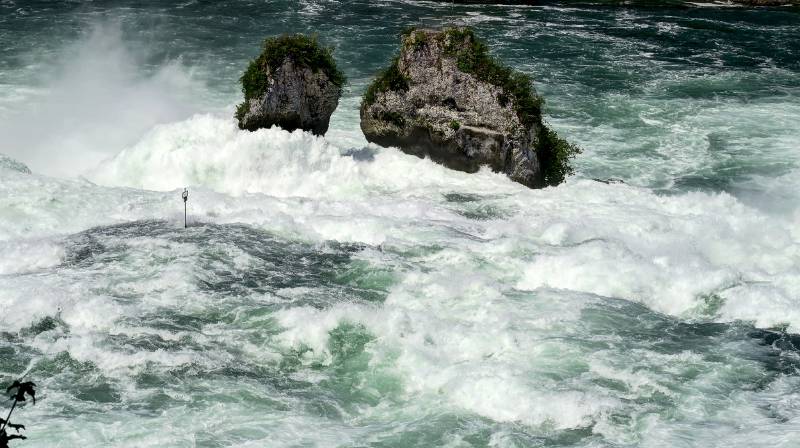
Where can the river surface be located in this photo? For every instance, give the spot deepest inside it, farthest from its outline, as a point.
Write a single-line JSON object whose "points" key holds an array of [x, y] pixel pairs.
{"points": [[332, 293]]}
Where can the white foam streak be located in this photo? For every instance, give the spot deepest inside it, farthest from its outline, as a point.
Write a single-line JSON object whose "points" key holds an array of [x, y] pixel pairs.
{"points": [[26, 256]]}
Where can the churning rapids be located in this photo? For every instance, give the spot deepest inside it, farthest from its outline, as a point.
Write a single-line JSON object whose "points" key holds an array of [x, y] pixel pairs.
{"points": [[333, 293]]}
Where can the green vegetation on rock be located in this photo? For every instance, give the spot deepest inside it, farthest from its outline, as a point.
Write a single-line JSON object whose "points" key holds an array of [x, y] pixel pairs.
{"points": [[393, 117], [389, 79], [555, 154], [304, 50], [473, 57]]}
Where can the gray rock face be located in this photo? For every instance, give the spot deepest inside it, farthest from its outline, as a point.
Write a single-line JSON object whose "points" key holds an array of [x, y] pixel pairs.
{"points": [[7, 163], [296, 98], [451, 116]]}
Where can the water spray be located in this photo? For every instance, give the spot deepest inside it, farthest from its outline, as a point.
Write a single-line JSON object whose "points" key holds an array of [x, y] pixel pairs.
{"points": [[185, 196]]}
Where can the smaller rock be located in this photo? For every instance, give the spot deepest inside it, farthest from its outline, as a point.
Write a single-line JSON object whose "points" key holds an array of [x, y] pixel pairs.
{"points": [[7, 163], [294, 84]]}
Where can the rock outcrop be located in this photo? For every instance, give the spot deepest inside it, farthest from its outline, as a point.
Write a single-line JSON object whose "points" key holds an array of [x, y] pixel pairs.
{"points": [[294, 84], [7, 163], [444, 97]]}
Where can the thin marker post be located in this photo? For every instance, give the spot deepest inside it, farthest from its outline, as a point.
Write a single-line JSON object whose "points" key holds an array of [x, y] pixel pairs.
{"points": [[185, 196]]}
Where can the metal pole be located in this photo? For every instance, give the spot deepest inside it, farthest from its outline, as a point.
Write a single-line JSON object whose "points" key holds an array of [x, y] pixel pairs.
{"points": [[185, 196]]}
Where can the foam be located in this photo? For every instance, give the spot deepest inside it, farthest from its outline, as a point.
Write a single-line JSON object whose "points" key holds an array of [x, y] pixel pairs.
{"points": [[25, 256], [671, 253], [451, 336], [211, 151], [501, 312]]}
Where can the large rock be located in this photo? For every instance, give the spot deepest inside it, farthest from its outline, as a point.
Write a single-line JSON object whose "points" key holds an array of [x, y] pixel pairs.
{"points": [[293, 84], [445, 98]]}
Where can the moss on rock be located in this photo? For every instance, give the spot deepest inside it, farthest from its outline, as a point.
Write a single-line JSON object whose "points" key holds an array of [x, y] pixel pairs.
{"points": [[388, 79], [305, 50]]}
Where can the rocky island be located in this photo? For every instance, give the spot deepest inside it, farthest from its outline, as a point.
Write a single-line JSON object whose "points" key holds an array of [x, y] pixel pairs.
{"points": [[443, 96], [294, 83]]}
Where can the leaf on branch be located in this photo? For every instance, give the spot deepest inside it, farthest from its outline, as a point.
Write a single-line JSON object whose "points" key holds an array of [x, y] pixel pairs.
{"points": [[5, 438], [26, 388]]}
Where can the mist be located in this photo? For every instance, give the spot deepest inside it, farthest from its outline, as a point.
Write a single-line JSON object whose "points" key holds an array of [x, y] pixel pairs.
{"points": [[99, 96]]}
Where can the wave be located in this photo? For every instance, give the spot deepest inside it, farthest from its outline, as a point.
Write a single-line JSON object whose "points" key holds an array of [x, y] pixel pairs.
{"points": [[211, 151], [693, 255]]}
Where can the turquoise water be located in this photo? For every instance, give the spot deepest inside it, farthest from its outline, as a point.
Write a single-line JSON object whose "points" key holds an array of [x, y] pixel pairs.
{"points": [[333, 293]]}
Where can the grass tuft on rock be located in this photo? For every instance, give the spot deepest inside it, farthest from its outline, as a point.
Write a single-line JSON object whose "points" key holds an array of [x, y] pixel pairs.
{"points": [[472, 56], [389, 79], [304, 50]]}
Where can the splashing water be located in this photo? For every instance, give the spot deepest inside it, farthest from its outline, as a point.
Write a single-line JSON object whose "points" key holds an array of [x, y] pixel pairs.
{"points": [[333, 293]]}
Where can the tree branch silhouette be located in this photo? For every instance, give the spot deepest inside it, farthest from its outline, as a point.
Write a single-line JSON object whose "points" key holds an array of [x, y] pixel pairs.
{"points": [[19, 391]]}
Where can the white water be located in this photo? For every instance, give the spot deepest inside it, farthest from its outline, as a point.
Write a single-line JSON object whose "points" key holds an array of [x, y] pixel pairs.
{"points": [[515, 310], [669, 252], [98, 97]]}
